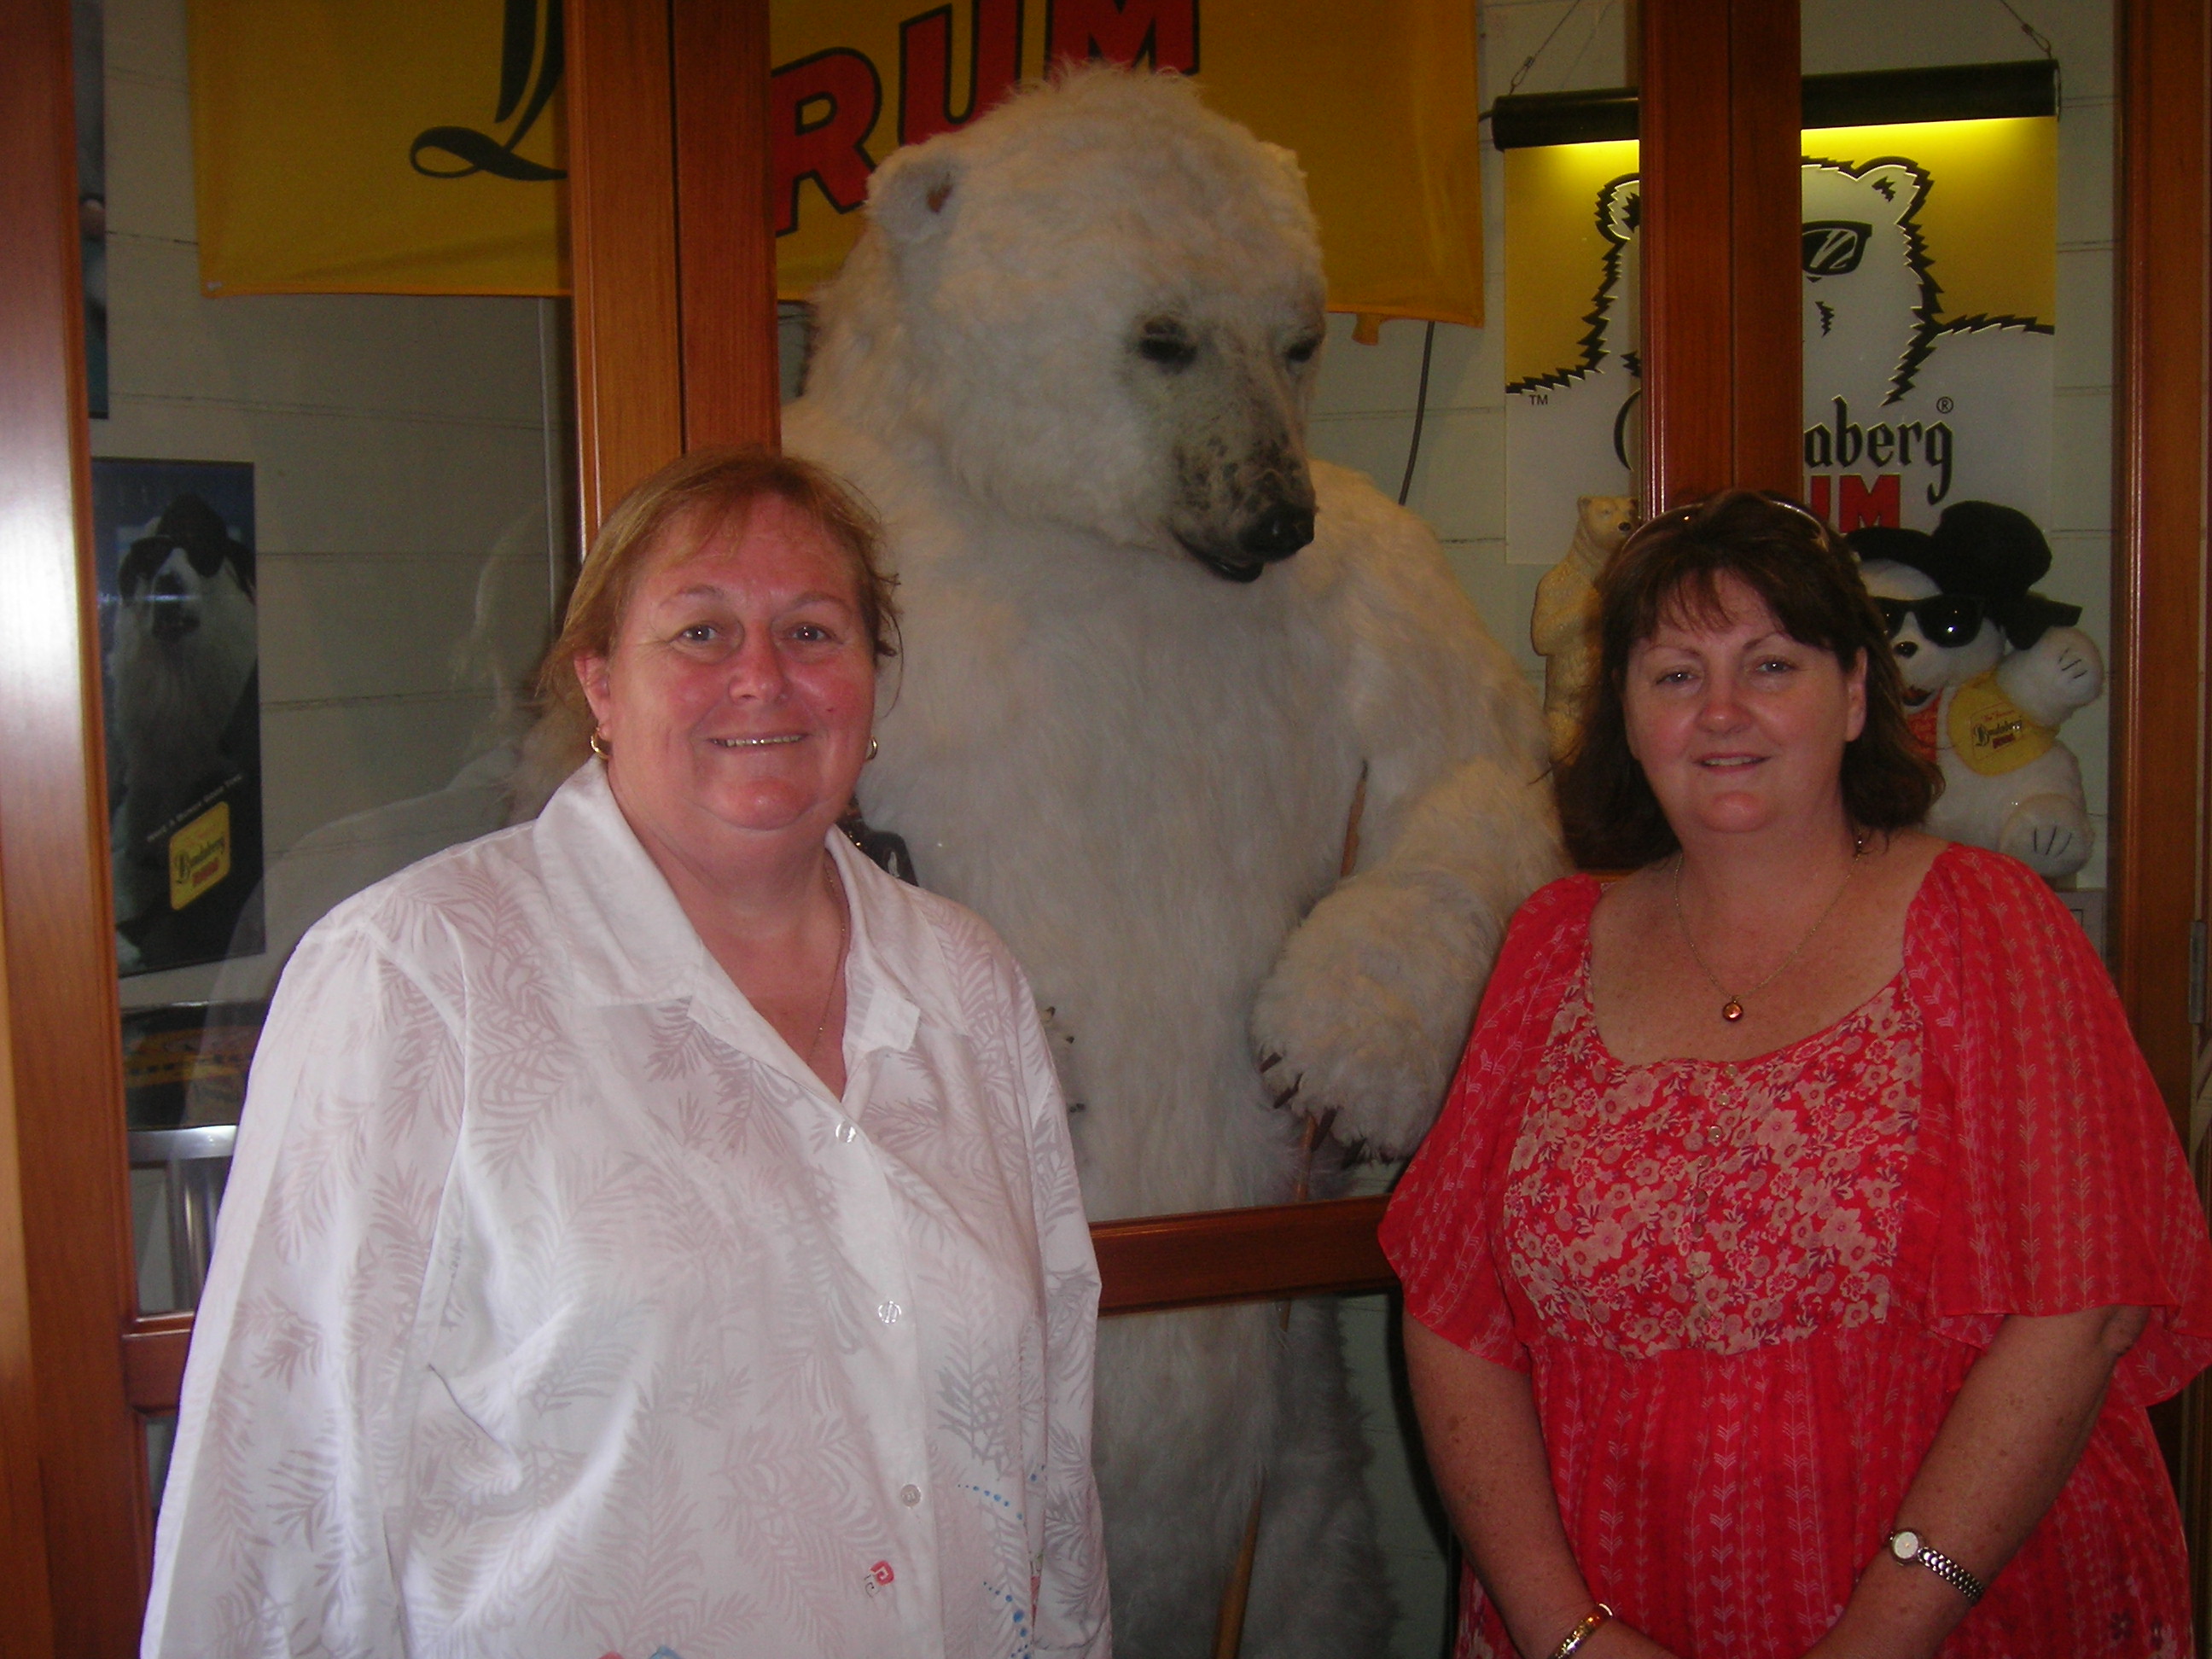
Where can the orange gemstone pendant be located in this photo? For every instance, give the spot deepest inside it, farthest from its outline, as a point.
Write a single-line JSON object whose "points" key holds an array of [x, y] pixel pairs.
{"points": [[1731, 1011]]}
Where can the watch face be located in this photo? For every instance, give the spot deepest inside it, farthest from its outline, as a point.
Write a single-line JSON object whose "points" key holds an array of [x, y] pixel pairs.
{"points": [[1904, 1544]]}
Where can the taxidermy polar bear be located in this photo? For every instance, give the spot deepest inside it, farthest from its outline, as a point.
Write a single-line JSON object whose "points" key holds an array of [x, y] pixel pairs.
{"points": [[1151, 653]]}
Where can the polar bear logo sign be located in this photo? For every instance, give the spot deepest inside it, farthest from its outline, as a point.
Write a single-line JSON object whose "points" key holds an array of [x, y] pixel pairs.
{"points": [[1905, 409]]}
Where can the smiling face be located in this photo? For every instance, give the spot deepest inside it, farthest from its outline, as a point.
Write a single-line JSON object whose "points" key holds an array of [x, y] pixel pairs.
{"points": [[1739, 727], [737, 700]]}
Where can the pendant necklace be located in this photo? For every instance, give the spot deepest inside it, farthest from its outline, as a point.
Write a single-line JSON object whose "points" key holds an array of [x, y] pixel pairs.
{"points": [[1732, 1006], [844, 941]]}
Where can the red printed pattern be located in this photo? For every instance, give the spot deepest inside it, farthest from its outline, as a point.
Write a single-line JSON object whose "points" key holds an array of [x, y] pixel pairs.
{"points": [[1733, 1409], [1696, 1204]]}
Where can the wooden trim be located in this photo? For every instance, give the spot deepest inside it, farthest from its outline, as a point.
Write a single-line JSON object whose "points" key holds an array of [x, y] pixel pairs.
{"points": [[2158, 614], [2156, 887], [155, 1349], [622, 216], [1265, 1253], [726, 247], [1723, 353], [1154, 1263], [1767, 291], [67, 1202], [673, 255], [1684, 157]]}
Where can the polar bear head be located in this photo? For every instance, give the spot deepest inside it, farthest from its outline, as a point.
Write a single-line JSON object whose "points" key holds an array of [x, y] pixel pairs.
{"points": [[1602, 524], [1869, 300], [1100, 305]]}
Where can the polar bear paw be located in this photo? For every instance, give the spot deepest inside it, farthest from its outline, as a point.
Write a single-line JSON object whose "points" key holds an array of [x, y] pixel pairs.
{"points": [[2050, 834], [1367, 1033]]}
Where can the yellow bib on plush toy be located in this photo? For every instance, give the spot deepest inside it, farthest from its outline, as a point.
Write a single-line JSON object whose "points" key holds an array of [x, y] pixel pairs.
{"points": [[1989, 732]]}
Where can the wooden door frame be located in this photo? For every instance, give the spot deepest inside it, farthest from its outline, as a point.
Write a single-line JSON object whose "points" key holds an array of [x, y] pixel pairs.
{"points": [[673, 256], [2162, 328], [65, 1278], [1722, 345]]}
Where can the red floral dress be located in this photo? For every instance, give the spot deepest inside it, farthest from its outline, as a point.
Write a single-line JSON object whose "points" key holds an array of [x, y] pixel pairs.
{"points": [[1747, 1292]]}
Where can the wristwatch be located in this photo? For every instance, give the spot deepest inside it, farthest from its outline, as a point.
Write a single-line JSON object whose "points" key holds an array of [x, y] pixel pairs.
{"points": [[1908, 1546]]}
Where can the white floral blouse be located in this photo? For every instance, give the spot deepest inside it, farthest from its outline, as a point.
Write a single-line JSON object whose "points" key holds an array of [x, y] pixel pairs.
{"points": [[559, 1311]]}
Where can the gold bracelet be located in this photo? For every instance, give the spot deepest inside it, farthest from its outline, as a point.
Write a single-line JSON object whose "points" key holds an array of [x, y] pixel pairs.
{"points": [[1581, 1633]]}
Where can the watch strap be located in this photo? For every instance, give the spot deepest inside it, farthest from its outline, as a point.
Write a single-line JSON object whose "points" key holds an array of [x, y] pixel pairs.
{"points": [[1940, 1564]]}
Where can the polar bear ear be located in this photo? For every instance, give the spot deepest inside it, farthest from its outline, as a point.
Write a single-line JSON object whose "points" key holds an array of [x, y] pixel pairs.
{"points": [[914, 195], [1620, 209], [1901, 184]]}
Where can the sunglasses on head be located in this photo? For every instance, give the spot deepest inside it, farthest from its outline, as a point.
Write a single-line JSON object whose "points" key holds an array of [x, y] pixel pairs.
{"points": [[1832, 248], [1944, 619], [149, 553]]}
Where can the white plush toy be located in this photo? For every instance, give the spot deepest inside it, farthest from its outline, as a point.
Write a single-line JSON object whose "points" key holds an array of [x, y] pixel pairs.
{"points": [[1153, 657], [1990, 672], [1564, 625]]}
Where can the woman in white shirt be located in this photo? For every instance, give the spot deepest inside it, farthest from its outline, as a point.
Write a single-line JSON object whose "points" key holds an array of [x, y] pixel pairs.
{"points": [[654, 1231]]}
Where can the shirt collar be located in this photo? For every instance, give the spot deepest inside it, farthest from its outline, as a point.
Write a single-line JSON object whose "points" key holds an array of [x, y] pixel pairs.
{"points": [[629, 940]]}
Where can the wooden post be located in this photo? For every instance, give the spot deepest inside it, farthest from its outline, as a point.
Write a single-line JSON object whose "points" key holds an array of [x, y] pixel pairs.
{"points": [[726, 243], [2158, 588], [72, 1454], [622, 256], [2156, 888], [671, 253], [1723, 355]]}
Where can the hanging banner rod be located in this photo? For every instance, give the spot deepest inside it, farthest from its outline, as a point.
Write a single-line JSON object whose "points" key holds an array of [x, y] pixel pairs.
{"points": [[1952, 92]]}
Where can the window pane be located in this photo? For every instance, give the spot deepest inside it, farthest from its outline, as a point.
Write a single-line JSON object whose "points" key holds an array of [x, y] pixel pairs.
{"points": [[331, 530]]}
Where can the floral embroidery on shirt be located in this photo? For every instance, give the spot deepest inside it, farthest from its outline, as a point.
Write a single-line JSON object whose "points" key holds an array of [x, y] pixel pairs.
{"points": [[1715, 1205]]}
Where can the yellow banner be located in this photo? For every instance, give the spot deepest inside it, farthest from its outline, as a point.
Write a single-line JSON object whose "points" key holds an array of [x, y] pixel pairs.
{"points": [[378, 146], [393, 146]]}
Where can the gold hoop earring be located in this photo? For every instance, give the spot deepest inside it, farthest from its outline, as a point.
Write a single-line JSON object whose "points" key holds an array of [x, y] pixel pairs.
{"points": [[874, 748], [598, 741]]}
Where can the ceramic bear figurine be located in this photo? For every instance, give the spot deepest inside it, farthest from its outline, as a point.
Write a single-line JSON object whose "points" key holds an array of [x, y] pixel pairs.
{"points": [[1564, 626], [1992, 671]]}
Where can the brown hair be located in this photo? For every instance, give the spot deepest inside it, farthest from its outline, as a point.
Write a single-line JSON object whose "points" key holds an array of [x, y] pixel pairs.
{"points": [[1808, 580], [720, 483]]}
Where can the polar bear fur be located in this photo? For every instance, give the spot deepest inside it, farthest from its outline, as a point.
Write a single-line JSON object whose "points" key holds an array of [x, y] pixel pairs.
{"points": [[1070, 361], [1563, 627], [2036, 813]]}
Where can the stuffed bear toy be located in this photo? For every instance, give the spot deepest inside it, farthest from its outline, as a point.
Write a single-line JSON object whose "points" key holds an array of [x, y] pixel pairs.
{"points": [[1564, 625], [1992, 671]]}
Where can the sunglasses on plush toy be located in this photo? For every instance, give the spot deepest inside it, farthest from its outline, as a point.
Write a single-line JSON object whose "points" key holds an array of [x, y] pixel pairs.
{"points": [[1944, 619]]}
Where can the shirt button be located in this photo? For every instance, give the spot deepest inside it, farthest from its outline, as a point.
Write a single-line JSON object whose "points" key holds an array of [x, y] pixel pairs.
{"points": [[889, 1313], [909, 1496], [848, 1133]]}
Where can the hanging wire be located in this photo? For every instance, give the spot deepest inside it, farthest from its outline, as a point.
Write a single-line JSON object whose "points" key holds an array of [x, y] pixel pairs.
{"points": [[2041, 40], [1530, 63], [2042, 44], [1420, 414]]}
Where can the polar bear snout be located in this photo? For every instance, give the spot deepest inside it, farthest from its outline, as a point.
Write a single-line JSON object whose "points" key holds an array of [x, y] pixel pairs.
{"points": [[1279, 531], [1262, 526]]}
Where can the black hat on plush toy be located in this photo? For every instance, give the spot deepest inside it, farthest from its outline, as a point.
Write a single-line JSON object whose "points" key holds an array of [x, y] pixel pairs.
{"points": [[1995, 553], [1998, 554]]}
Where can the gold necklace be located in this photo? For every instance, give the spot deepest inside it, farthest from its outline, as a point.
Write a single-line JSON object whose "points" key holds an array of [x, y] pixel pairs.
{"points": [[844, 940], [1732, 1008]]}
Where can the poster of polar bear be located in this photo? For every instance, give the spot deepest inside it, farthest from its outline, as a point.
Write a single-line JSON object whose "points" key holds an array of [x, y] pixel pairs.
{"points": [[1928, 259]]}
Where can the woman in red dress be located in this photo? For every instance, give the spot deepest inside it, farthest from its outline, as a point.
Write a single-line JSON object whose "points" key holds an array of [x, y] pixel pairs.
{"points": [[1804, 1237]]}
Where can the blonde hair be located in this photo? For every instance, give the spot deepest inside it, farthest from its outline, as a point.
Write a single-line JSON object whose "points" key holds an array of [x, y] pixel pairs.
{"points": [[719, 483]]}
